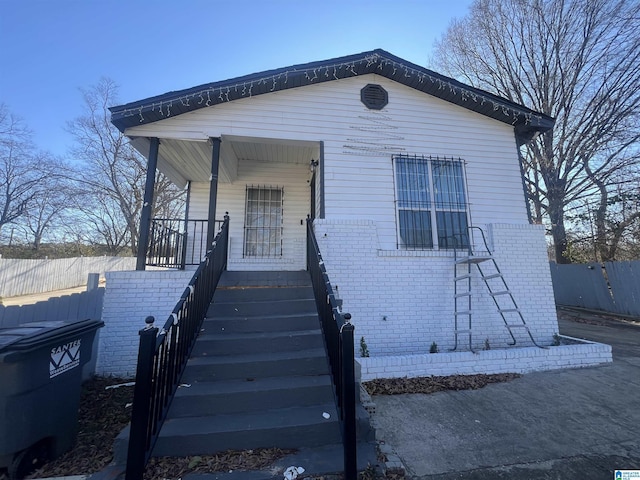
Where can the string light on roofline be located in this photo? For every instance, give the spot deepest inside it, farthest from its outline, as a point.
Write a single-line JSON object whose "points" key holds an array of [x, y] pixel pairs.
{"points": [[228, 93]]}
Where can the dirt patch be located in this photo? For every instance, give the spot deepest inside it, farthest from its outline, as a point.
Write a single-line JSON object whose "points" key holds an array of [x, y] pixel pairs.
{"points": [[576, 317], [177, 467], [398, 386], [105, 412], [102, 414], [594, 318]]}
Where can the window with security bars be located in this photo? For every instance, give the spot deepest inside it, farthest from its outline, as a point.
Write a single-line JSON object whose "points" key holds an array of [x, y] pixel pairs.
{"points": [[431, 203], [263, 222]]}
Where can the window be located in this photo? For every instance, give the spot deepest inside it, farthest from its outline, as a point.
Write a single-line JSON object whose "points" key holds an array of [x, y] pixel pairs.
{"points": [[263, 222], [431, 204]]}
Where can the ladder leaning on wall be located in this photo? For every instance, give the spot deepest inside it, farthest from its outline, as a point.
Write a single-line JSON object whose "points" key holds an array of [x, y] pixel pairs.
{"points": [[497, 289]]}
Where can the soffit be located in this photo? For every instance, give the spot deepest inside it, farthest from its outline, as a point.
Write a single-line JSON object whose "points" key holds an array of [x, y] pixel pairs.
{"points": [[186, 160]]}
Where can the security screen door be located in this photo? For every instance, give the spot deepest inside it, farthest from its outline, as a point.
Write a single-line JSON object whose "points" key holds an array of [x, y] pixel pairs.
{"points": [[263, 221]]}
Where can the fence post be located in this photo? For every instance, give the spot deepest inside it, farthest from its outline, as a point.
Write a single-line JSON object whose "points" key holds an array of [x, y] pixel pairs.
{"points": [[142, 394], [348, 400], [93, 281]]}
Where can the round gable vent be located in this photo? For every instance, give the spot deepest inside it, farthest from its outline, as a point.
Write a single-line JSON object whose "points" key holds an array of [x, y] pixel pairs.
{"points": [[374, 96]]}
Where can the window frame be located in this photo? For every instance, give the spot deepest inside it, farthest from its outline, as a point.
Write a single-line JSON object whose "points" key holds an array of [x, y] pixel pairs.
{"points": [[432, 205]]}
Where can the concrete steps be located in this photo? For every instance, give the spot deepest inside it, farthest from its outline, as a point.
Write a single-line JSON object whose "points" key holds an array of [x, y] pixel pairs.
{"points": [[230, 396], [255, 365], [257, 342], [263, 323], [258, 375], [292, 427]]}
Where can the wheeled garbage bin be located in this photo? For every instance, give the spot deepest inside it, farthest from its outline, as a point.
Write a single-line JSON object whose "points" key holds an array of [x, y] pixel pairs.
{"points": [[40, 379]]}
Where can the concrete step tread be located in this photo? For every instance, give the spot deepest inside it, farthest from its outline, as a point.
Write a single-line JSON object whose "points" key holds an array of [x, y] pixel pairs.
{"points": [[226, 387], [275, 316], [262, 278], [269, 301], [226, 295], [256, 324], [251, 421], [261, 308], [256, 357], [206, 335]]}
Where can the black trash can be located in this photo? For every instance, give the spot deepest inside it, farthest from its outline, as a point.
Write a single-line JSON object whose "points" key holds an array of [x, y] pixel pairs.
{"points": [[40, 379]]}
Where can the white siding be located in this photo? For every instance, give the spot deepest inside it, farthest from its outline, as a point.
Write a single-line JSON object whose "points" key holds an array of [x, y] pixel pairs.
{"points": [[231, 198], [401, 301], [359, 144], [199, 203]]}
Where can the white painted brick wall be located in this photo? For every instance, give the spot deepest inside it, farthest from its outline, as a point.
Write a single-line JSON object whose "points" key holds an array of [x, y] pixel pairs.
{"points": [[129, 298], [402, 301], [514, 360]]}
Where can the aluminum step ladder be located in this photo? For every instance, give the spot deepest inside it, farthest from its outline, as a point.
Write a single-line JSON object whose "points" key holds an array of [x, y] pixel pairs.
{"points": [[497, 289]]}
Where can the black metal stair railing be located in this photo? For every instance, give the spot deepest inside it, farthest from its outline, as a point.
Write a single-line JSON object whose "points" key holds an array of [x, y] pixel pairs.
{"points": [[164, 352], [338, 335], [176, 243]]}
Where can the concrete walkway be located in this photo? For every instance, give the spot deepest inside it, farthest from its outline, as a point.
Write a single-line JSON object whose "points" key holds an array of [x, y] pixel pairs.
{"points": [[582, 423]]}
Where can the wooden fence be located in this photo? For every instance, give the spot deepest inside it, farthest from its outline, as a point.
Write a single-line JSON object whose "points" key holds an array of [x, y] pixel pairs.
{"points": [[610, 287], [24, 277], [68, 308]]}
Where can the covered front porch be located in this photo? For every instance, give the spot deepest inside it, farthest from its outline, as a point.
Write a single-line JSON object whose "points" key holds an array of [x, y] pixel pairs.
{"points": [[268, 187]]}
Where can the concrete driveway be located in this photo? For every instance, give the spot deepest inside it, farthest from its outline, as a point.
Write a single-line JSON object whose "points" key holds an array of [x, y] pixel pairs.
{"points": [[567, 424]]}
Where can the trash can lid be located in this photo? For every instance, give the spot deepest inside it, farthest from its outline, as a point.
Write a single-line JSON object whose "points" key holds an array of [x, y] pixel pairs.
{"points": [[36, 334]]}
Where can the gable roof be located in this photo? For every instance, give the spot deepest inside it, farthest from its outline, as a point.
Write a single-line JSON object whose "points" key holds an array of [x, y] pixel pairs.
{"points": [[526, 122]]}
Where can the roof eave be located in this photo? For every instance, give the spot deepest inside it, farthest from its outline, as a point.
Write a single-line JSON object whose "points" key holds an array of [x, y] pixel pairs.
{"points": [[526, 121]]}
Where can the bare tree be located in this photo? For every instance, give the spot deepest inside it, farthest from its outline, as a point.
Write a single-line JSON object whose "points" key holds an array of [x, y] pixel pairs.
{"points": [[52, 197], [578, 61], [22, 169], [617, 219], [98, 220], [113, 173]]}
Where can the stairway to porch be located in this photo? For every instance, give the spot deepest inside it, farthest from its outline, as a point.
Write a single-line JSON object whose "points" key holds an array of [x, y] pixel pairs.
{"points": [[259, 377]]}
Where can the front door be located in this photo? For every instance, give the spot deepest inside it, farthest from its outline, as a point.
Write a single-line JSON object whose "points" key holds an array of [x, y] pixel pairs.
{"points": [[263, 226]]}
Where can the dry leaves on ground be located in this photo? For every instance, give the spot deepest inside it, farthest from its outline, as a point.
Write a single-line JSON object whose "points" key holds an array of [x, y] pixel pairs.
{"points": [[102, 414], [105, 412], [231, 460], [398, 386]]}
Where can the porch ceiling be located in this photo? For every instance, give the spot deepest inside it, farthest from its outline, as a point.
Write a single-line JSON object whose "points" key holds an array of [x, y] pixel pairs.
{"points": [[188, 160]]}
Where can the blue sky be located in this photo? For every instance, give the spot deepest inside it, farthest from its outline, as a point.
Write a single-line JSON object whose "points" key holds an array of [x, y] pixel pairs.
{"points": [[51, 48]]}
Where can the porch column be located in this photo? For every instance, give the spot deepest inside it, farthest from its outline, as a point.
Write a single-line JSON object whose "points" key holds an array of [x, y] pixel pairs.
{"points": [[145, 220], [213, 190]]}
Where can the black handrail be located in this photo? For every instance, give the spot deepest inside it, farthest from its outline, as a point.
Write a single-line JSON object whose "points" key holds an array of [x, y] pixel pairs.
{"points": [[175, 243], [338, 337], [163, 355]]}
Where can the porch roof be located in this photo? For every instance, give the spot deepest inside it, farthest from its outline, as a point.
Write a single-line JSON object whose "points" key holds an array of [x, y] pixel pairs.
{"points": [[526, 122]]}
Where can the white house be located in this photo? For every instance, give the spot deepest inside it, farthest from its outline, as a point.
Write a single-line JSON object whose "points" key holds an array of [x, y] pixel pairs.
{"points": [[396, 165]]}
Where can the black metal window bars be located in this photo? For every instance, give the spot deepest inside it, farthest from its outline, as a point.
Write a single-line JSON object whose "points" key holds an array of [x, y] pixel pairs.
{"points": [[338, 336], [164, 352], [430, 202]]}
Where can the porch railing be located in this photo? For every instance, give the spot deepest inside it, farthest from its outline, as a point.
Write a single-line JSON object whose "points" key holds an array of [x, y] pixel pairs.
{"points": [[164, 352], [176, 243], [338, 336]]}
